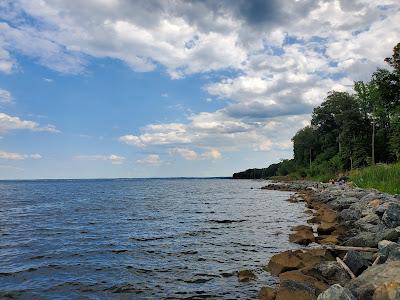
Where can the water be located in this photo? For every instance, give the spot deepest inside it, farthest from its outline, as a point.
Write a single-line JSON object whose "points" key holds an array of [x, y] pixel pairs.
{"points": [[140, 238]]}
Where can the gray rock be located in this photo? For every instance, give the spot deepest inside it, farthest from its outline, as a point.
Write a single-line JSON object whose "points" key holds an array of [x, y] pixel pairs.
{"points": [[343, 202], [380, 210], [348, 215], [375, 277], [336, 292], [356, 262], [391, 234], [391, 217], [364, 239], [330, 272], [371, 218]]}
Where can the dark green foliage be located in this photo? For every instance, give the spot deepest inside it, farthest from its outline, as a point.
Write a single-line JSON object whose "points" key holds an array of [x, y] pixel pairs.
{"points": [[347, 130]]}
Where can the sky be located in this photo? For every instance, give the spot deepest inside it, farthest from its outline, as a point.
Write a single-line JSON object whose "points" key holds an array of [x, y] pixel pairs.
{"points": [[118, 88]]}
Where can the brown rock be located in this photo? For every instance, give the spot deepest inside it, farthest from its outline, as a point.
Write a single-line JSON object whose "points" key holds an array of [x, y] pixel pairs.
{"points": [[302, 236], [298, 276], [246, 275], [267, 293], [327, 239], [326, 228], [374, 203], [327, 215], [293, 290], [387, 291], [302, 227], [284, 261], [311, 257]]}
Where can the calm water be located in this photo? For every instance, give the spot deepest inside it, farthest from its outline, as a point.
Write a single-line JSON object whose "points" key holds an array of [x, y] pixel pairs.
{"points": [[139, 238]]}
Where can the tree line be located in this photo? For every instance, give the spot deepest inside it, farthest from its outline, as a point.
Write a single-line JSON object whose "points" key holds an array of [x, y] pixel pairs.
{"points": [[348, 130]]}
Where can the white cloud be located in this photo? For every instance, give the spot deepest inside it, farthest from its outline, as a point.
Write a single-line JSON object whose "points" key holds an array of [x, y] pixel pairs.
{"points": [[5, 96], [18, 156], [8, 123], [151, 159], [212, 154], [113, 158], [187, 154]]}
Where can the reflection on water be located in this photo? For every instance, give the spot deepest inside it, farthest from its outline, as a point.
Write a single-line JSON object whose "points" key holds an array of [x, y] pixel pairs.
{"points": [[139, 238]]}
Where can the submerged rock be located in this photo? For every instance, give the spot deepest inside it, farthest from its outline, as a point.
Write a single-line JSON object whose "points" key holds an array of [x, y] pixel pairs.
{"points": [[304, 236], [336, 292], [267, 293], [246, 276]]}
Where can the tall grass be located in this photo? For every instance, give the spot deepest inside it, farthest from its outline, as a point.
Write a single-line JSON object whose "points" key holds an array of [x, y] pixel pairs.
{"points": [[385, 178]]}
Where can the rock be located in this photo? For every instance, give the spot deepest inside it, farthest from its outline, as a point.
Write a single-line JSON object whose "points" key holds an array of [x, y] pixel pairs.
{"points": [[327, 239], [343, 202], [303, 236], [336, 292], [330, 272], [266, 293], [364, 239], [349, 215], [380, 210], [375, 278], [311, 257], [326, 228], [291, 290], [371, 218], [387, 291], [302, 227], [356, 262], [375, 203], [298, 276], [391, 217], [391, 234], [284, 261], [246, 276]]}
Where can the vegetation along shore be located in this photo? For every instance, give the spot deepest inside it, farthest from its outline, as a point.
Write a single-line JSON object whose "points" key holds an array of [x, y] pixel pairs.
{"points": [[353, 247], [348, 132]]}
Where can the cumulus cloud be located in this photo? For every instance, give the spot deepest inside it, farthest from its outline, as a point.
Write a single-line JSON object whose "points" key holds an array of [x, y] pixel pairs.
{"points": [[5, 96], [212, 154], [8, 123], [151, 159], [18, 156], [113, 158], [284, 56], [187, 154]]}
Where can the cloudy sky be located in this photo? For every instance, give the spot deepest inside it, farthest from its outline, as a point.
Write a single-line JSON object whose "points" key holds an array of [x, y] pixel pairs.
{"points": [[118, 88]]}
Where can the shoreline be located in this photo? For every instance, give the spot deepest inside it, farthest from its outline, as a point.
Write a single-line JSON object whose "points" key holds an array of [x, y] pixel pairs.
{"points": [[354, 252]]}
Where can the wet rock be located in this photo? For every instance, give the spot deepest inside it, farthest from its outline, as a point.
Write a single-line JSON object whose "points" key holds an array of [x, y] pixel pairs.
{"points": [[303, 236], [326, 228], [391, 217], [327, 239], [387, 291], [284, 261], [330, 272], [290, 290], [375, 279], [298, 276], [266, 293], [356, 262], [364, 239], [336, 292], [246, 276]]}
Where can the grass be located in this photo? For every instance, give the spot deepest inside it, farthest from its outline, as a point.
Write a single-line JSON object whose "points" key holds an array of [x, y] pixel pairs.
{"points": [[385, 178]]}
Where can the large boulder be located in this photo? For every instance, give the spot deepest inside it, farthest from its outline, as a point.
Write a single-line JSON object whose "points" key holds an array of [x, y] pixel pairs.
{"points": [[291, 290], [343, 202], [349, 215], [387, 291], [298, 276], [330, 272], [356, 262], [336, 292], [266, 293], [376, 279], [284, 261], [364, 239], [390, 234], [304, 236], [391, 217]]}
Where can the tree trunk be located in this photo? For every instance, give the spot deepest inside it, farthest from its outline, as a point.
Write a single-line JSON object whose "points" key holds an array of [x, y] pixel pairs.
{"points": [[373, 142]]}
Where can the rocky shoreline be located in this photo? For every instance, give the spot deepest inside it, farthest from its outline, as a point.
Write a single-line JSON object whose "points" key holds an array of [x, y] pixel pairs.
{"points": [[353, 246]]}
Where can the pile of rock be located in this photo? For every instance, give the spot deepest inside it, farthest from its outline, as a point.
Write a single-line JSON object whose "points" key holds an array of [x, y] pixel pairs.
{"points": [[365, 264]]}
